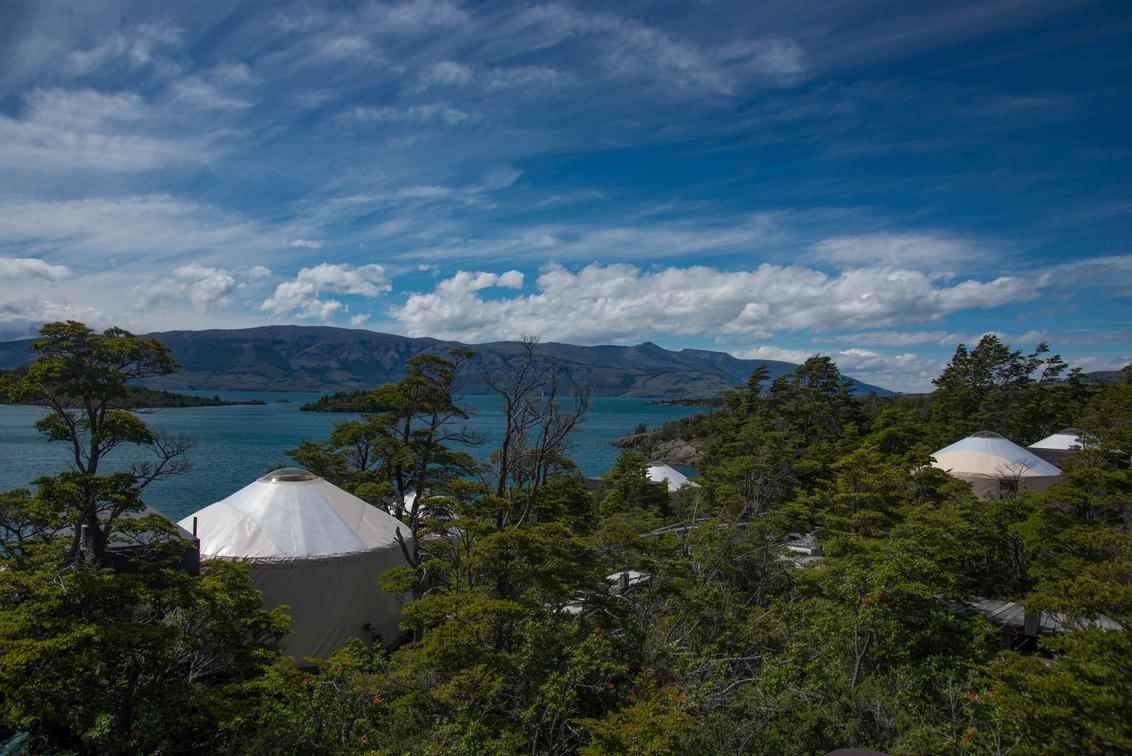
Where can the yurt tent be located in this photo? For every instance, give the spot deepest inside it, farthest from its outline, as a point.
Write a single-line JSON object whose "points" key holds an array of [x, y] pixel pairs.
{"points": [[313, 547], [994, 466], [1057, 447], [659, 472]]}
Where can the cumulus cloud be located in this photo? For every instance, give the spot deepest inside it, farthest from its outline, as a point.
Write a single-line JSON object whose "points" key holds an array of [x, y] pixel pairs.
{"points": [[303, 297], [623, 302], [16, 268], [207, 286], [22, 318]]}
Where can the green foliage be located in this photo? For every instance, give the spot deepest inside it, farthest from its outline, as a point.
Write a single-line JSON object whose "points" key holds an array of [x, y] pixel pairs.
{"points": [[546, 618], [626, 488], [1023, 397]]}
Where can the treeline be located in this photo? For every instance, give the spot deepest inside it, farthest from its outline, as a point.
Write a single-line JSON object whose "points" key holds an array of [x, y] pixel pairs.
{"points": [[360, 401], [132, 397], [549, 618]]}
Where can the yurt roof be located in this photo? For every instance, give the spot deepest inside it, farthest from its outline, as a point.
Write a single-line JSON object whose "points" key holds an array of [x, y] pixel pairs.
{"points": [[1064, 440], [289, 514], [989, 454], [659, 472]]}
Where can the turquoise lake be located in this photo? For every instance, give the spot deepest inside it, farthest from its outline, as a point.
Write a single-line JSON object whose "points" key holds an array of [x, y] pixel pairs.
{"points": [[237, 444]]}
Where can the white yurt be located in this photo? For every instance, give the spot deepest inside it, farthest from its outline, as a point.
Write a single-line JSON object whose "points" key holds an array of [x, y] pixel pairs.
{"points": [[659, 472], [314, 547], [995, 466], [1057, 447]]}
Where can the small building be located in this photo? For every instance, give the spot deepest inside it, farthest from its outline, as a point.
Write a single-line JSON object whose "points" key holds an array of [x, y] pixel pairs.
{"points": [[995, 466], [312, 547], [1058, 447], [659, 472]]}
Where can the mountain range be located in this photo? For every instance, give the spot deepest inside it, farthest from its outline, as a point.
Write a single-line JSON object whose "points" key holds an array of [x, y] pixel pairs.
{"points": [[324, 358]]}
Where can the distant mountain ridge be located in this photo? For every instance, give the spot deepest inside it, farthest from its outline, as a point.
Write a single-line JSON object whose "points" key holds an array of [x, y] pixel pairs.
{"points": [[325, 358]]}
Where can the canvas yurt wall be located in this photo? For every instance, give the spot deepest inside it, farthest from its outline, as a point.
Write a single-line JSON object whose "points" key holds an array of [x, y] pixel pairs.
{"points": [[314, 547], [995, 466]]}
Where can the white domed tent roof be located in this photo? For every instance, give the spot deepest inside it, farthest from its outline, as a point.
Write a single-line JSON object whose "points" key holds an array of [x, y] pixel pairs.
{"points": [[990, 462], [659, 472], [311, 546], [289, 514], [1058, 447], [1067, 439]]}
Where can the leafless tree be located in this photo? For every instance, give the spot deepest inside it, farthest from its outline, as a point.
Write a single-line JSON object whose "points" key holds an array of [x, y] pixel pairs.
{"points": [[536, 430]]}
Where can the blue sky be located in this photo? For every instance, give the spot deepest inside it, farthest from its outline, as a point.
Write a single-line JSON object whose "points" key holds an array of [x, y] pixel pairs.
{"points": [[877, 181]]}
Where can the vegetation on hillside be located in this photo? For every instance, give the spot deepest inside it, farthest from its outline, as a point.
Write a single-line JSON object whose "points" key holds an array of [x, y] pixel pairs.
{"points": [[547, 618]]}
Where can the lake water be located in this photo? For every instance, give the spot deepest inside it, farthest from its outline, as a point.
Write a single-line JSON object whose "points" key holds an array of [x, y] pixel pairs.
{"points": [[237, 444]]}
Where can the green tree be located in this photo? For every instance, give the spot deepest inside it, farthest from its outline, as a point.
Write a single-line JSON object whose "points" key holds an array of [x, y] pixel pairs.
{"points": [[78, 377], [403, 458], [1022, 396], [141, 658]]}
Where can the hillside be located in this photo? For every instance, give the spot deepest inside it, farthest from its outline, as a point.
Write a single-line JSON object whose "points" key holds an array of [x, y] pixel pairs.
{"points": [[323, 358]]}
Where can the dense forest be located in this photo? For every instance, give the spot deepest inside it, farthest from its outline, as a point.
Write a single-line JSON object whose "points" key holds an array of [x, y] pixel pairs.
{"points": [[523, 632]]}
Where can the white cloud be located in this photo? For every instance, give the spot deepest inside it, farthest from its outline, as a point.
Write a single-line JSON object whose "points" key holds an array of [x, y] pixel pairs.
{"points": [[302, 301], [431, 113], [623, 302], [900, 338], [194, 92], [22, 318], [137, 47], [304, 243], [303, 296], [445, 73], [366, 280], [145, 229], [345, 47], [16, 268], [916, 251], [69, 130], [207, 286], [259, 272], [522, 80], [905, 371], [413, 16]]}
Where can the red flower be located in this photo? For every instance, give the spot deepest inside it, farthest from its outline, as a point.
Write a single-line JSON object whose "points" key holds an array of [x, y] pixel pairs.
{"points": [[884, 604], [376, 699], [625, 667], [972, 695]]}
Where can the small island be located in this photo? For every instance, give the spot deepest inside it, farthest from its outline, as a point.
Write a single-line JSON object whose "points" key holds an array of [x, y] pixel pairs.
{"points": [[359, 401]]}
